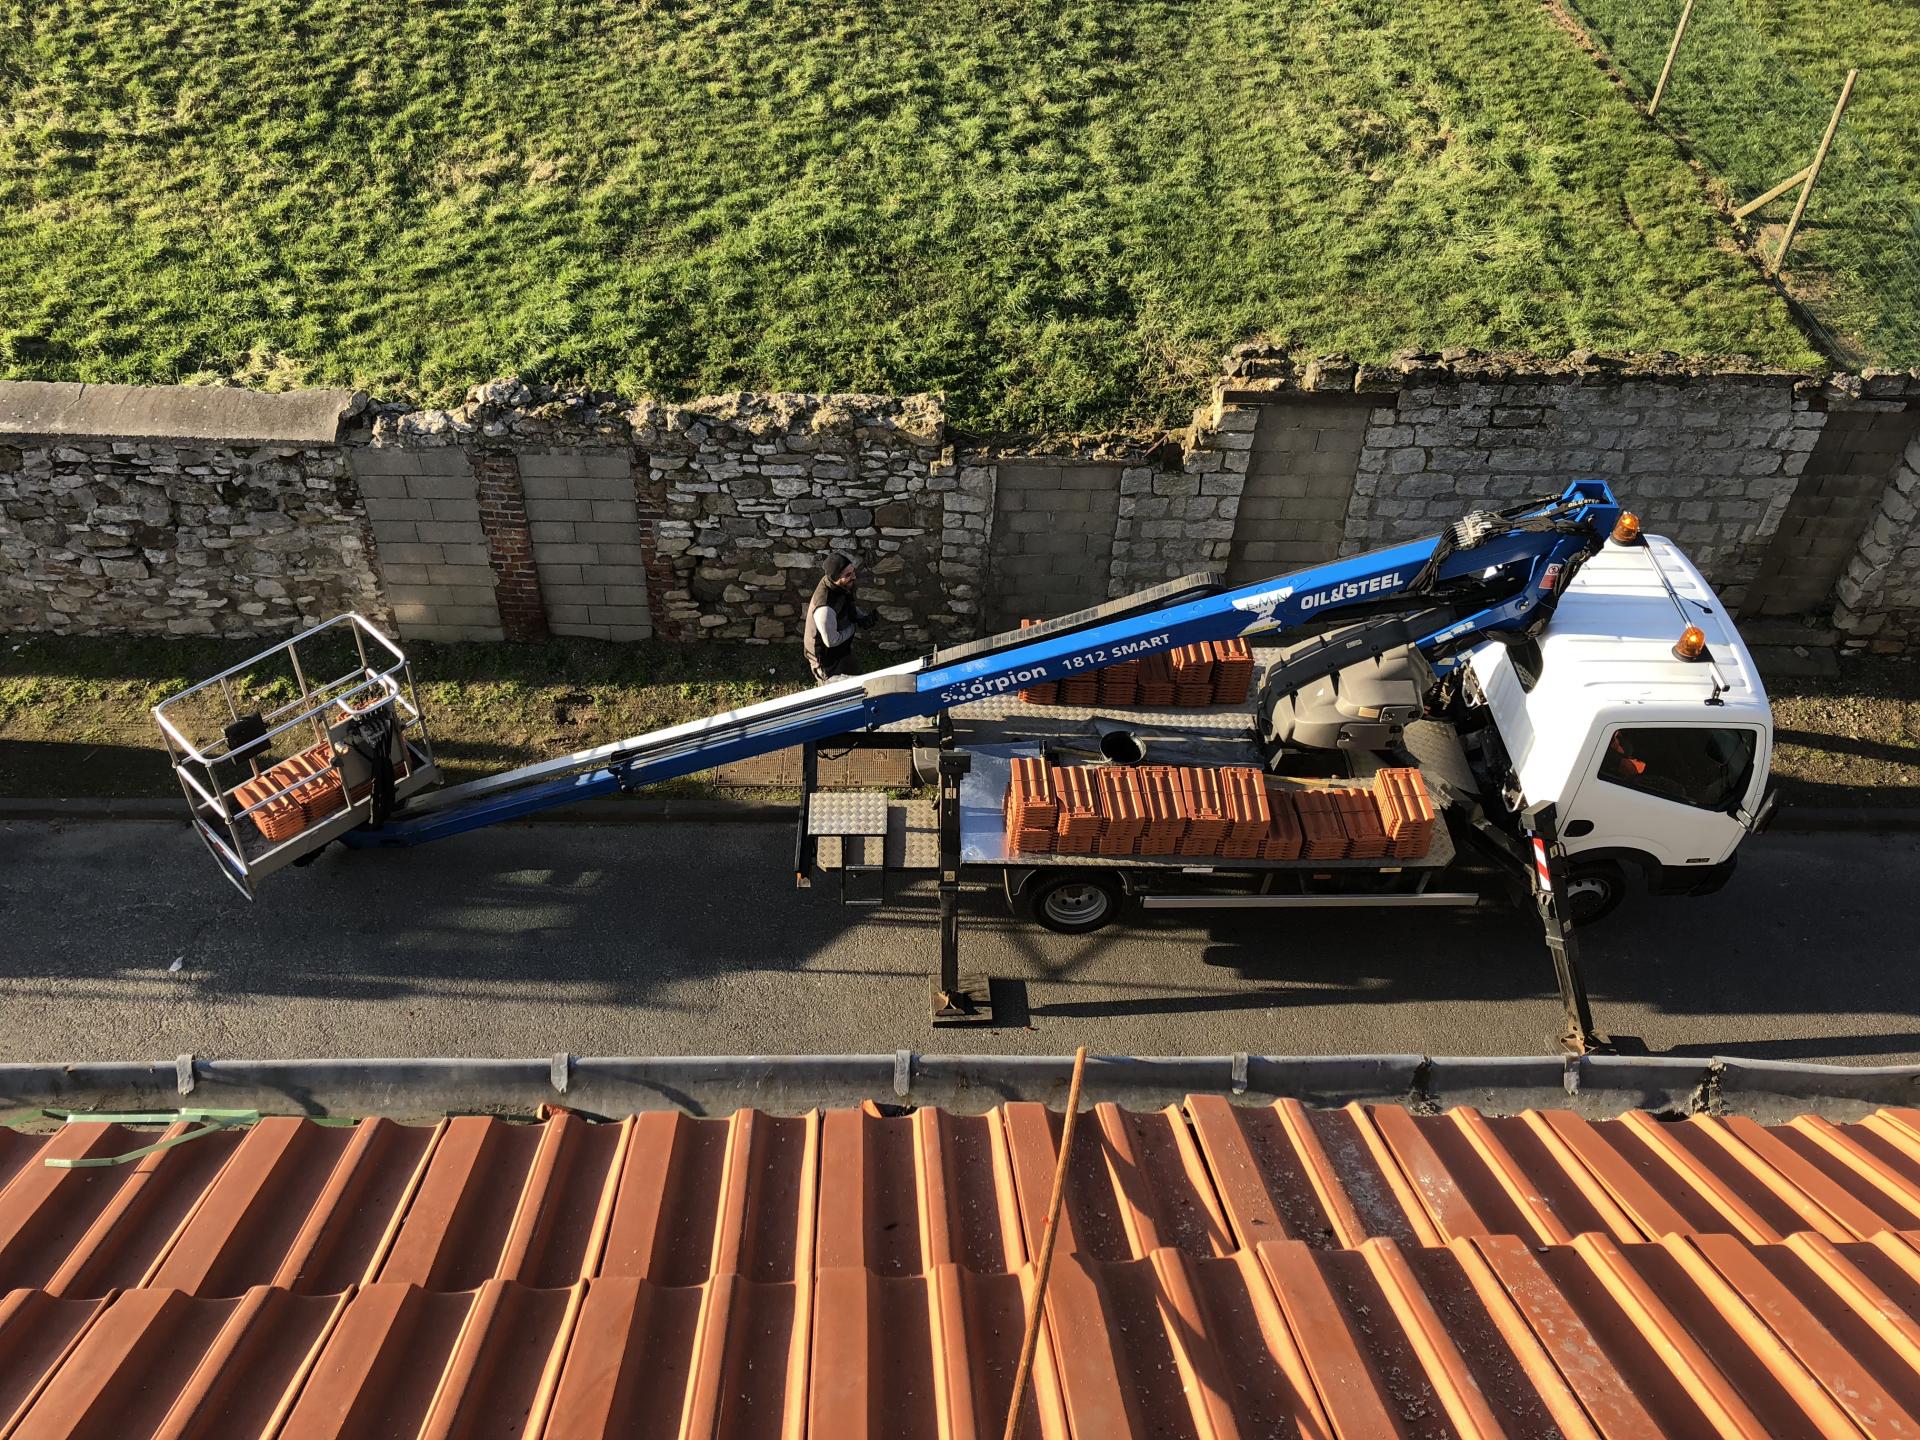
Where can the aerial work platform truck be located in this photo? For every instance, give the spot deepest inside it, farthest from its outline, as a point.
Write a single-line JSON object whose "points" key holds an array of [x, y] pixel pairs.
{"points": [[1568, 692]]}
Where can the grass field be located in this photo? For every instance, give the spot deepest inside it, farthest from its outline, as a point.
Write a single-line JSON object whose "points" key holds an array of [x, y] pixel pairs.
{"points": [[1814, 42], [1881, 38], [1751, 93], [74, 713], [1058, 214]]}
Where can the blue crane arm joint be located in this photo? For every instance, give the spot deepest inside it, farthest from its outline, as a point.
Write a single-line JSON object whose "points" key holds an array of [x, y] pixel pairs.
{"points": [[1513, 564]]}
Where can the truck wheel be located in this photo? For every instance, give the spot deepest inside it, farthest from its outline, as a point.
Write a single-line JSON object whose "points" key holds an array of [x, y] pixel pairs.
{"points": [[1594, 891], [1074, 902]]}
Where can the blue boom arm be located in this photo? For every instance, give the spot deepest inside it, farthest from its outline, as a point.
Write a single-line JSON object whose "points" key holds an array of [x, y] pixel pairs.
{"points": [[1492, 573]]}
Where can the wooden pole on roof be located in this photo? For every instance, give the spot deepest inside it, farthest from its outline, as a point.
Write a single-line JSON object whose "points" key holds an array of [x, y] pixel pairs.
{"points": [[1813, 172], [1673, 50], [1043, 1265]]}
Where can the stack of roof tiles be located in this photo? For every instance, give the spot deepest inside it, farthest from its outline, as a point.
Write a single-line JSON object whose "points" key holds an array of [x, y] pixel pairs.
{"points": [[1032, 807], [1080, 688], [1220, 1270], [1192, 667], [1216, 672], [1156, 681], [1406, 811], [1120, 684], [1232, 672], [1283, 839], [1360, 819], [1166, 821], [1079, 827], [1123, 810], [1233, 812], [1203, 804], [312, 792], [1249, 812], [1322, 836]]}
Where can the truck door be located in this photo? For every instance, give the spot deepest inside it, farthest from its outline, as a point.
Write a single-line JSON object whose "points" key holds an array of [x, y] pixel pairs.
{"points": [[1670, 791]]}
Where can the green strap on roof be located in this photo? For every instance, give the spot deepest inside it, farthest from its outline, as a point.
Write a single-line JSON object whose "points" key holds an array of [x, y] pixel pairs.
{"points": [[208, 1120]]}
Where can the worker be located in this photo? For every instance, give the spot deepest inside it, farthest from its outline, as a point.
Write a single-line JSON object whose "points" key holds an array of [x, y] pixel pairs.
{"points": [[833, 617]]}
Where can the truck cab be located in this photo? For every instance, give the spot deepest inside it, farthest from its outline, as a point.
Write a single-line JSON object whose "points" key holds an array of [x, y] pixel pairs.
{"points": [[1653, 752]]}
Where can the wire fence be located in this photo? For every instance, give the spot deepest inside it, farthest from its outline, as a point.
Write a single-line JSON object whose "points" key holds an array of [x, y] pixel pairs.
{"points": [[1854, 265]]}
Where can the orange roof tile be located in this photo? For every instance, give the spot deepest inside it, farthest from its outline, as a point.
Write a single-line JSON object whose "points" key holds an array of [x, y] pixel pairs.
{"points": [[1222, 1270]]}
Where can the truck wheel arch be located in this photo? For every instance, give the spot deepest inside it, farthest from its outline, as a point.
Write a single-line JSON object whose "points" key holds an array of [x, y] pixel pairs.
{"points": [[1602, 879]]}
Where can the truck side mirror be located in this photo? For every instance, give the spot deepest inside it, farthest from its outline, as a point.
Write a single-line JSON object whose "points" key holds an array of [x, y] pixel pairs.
{"points": [[1758, 821]]}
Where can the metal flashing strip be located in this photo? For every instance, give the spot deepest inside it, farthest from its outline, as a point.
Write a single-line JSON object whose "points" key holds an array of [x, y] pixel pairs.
{"points": [[417, 1089]]}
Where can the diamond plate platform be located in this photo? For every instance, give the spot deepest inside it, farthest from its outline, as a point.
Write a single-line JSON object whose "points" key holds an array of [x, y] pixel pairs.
{"points": [[912, 841], [857, 812]]}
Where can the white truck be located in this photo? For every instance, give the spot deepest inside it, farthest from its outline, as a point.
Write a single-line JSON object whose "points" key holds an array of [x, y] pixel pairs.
{"points": [[1656, 765], [1574, 696]]}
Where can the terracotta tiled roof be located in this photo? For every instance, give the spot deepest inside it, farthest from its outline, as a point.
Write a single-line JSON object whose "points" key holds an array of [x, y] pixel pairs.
{"points": [[1222, 1271]]}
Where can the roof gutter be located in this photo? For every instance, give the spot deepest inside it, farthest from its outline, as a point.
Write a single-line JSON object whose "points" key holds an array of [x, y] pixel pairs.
{"points": [[416, 1089]]}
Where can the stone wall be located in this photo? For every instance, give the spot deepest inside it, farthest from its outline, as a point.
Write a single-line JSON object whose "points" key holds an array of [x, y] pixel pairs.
{"points": [[1712, 463], [513, 516], [211, 518], [1879, 594], [1738, 465], [528, 511], [1846, 474], [756, 490], [1179, 521]]}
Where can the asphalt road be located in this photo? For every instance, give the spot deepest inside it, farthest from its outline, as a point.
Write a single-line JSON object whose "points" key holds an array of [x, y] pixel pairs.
{"points": [[679, 938]]}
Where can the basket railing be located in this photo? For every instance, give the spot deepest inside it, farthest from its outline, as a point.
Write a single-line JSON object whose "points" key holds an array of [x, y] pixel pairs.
{"points": [[217, 738]]}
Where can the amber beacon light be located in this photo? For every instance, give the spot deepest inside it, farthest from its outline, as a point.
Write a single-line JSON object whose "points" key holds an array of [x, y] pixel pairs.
{"points": [[1691, 645], [1626, 530]]}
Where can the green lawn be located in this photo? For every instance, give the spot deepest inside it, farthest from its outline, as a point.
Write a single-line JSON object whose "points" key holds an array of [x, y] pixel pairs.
{"points": [[1751, 93], [75, 712], [1059, 214], [1807, 48], [1821, 40]]}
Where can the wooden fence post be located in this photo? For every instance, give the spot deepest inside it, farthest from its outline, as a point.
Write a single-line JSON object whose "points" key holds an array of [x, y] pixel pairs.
{"points": [[1813, 173], [1673, 50]]}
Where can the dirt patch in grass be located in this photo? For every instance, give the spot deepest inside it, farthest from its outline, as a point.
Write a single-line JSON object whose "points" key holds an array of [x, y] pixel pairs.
{"points": [[1853, 739]]}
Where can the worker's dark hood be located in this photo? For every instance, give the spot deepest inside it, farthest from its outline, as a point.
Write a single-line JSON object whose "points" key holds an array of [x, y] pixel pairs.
{"points": [[835, 562]]}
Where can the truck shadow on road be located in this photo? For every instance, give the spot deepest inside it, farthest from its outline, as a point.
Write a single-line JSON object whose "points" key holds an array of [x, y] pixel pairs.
{"points": [[1300, 959], [683, 937]]}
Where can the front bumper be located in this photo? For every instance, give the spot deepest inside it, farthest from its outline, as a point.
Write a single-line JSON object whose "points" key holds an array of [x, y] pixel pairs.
{"points": [[1692, 879]]}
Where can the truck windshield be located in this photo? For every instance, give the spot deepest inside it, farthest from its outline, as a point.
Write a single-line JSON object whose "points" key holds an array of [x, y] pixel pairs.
{"points": [[1705, 768]]}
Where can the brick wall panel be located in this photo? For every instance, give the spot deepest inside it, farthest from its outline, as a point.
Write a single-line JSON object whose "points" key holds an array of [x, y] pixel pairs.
{"points": [[584, 522]]}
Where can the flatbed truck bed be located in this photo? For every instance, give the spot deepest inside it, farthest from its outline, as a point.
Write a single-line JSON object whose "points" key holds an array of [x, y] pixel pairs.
{"points": [[913, 825], [955, 831]]}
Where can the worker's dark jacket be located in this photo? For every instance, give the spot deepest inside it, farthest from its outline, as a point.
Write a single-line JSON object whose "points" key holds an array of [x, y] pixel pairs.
{"points": [[824, 658]]}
